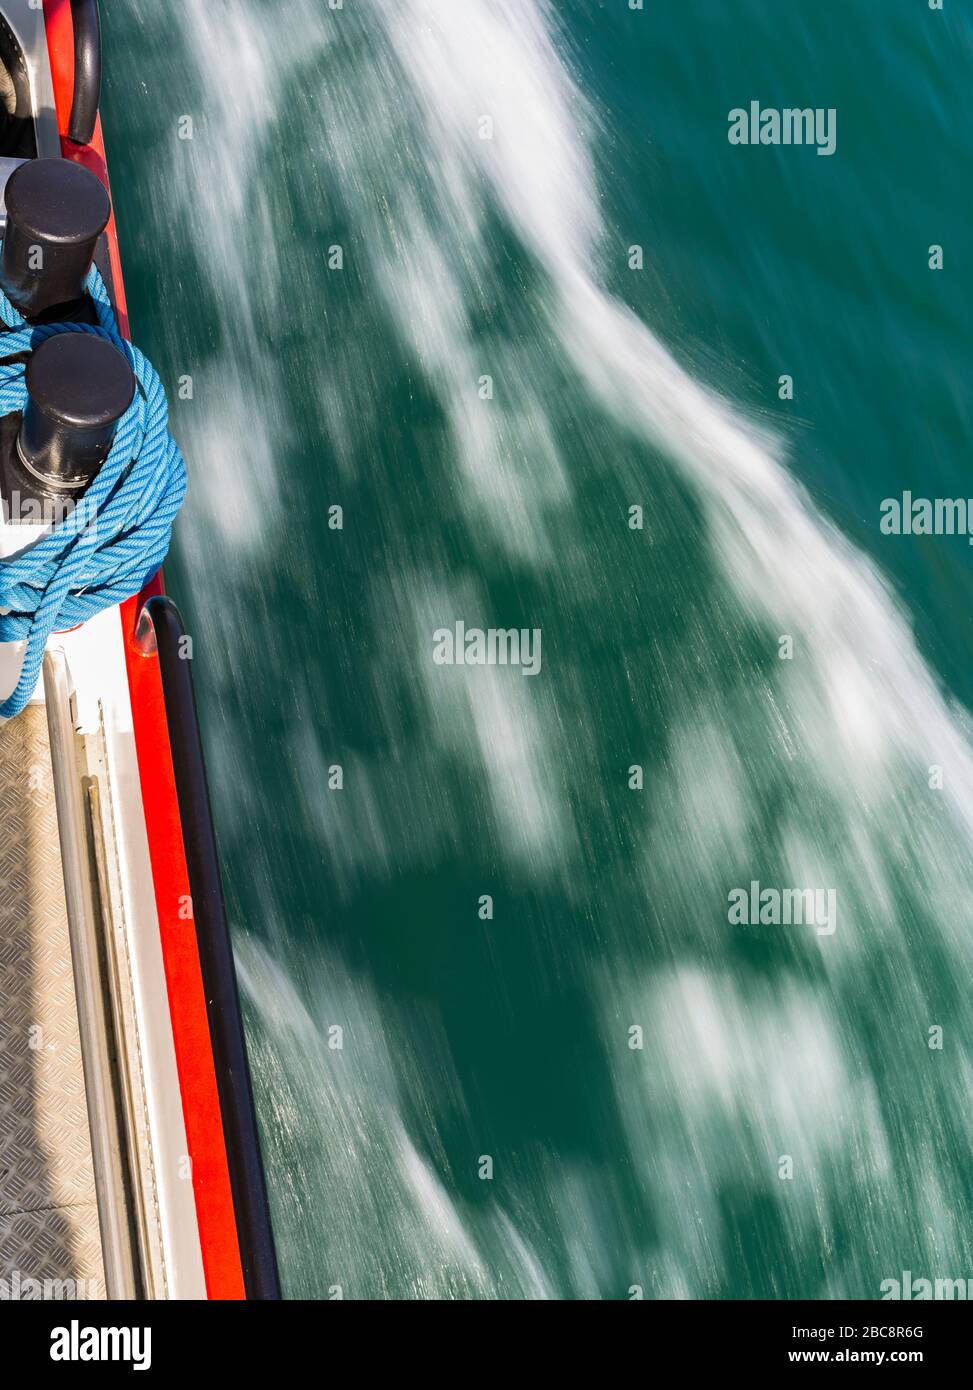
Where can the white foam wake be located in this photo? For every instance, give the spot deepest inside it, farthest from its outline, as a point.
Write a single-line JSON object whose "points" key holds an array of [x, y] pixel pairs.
{"points": [[869, 700]]}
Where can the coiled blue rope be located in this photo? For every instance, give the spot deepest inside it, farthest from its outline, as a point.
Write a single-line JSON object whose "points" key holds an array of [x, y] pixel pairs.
{"points": [[118, 534]]}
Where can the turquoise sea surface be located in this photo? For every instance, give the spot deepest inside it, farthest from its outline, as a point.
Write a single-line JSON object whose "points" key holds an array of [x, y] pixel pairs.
{"points": [[487, 321]]}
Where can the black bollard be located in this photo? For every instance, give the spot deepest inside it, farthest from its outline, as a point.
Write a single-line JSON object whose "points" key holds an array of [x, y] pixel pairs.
{"points": [[78, 388], [56, 211]]}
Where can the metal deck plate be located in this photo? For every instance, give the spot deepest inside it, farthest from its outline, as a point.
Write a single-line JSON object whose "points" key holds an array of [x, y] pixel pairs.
{"points": [[48, 1217]]}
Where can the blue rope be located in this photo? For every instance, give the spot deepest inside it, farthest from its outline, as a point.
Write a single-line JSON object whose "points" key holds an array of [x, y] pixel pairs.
{"points": [[118, 534]]}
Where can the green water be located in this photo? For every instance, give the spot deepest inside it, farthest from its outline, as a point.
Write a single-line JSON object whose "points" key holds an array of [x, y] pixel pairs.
{"points": [[785, 1129]]}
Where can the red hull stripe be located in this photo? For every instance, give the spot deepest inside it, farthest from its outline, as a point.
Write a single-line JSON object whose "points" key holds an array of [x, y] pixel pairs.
{"points": [[187, 1003]]}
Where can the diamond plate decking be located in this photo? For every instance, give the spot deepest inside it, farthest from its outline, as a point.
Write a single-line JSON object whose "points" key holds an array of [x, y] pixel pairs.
{"points": [[48, 1217]]}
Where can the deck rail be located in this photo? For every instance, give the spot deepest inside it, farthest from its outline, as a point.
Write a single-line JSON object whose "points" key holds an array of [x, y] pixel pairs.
{"points": [[160, 627], [87, 70]]}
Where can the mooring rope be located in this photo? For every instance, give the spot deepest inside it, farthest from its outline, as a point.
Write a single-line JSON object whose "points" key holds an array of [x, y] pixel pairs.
{"points": [[117, 535]]}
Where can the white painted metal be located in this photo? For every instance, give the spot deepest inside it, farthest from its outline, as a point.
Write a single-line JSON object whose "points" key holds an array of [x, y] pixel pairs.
{"points": [[96, 663], [26, 19]]}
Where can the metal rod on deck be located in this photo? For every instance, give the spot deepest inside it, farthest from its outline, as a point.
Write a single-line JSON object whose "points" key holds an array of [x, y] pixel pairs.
{"points": [[108, 1151]]}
